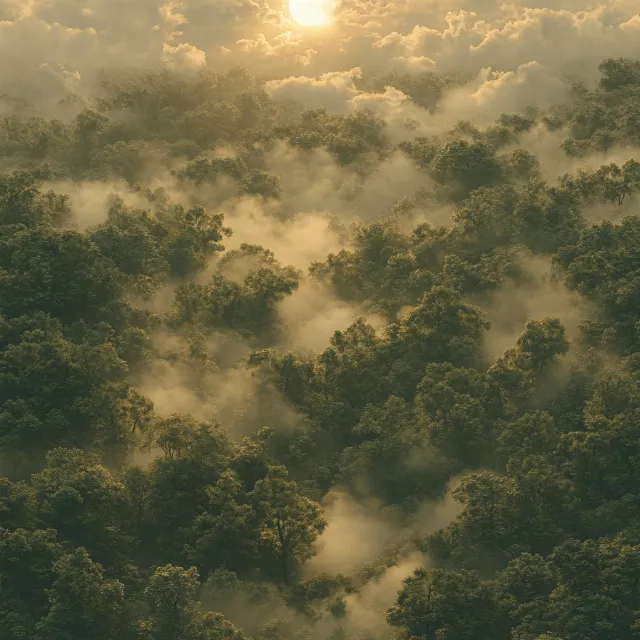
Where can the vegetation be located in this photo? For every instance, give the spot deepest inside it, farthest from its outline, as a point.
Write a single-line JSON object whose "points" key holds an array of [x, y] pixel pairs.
{"points": [[122, 521]]}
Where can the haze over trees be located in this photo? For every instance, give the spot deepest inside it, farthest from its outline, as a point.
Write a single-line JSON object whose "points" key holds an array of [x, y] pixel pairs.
{"points": [[319, 356]]}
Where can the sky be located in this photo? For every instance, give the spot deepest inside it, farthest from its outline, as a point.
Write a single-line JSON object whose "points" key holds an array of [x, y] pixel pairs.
{"points": [[63, 43]]}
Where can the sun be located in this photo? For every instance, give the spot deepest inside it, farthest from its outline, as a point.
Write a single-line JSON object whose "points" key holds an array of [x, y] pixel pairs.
{"points": [[311, 13]]}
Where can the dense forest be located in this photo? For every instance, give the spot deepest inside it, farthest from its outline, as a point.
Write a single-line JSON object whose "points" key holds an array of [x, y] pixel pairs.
{"points": [[276, 370]]}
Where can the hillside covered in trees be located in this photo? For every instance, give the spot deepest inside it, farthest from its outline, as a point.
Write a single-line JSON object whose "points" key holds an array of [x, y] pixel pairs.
{"points": [[290, 352]]}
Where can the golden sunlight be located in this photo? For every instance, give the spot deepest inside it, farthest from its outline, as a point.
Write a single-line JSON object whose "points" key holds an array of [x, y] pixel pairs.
{"points": [[311, 13]]}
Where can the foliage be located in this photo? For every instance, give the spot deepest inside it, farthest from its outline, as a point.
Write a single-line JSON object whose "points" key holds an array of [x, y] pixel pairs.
{"points": [[170, 451]]}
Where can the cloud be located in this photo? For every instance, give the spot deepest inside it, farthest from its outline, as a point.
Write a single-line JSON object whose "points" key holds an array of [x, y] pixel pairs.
{"points": [[367, 609], [555, 38], [377, 34], [171, 386], [360, 532], [311, 315], [90, 200], [296, 241], [493, 93], [117, 33], [286, 44], [355, 536], [481, 101], [338, 94], [183, 57], [331, 91], [227, 392], [513, 305], [316, 192]]}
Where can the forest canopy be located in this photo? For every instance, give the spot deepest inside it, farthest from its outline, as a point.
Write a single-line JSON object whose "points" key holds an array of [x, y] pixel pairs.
{"points": [[319, 333]]}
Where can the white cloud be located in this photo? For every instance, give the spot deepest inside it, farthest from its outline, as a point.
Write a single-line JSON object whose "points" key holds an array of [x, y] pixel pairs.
{"points": [[413, 35], [183, 57], [493, 93], [481, 101], [555, 38], [331, 90]]}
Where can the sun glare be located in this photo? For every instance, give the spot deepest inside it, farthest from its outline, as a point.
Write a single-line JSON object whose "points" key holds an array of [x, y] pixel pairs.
{"points": [[311, 13]]}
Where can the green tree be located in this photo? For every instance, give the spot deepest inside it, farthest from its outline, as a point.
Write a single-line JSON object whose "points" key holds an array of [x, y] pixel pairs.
{"points": [[175, 613], [618, 73], [461, 167], [438, 604], [84, 503], [26, 574], [225, 535], [175, 485], [22, 203], [54, 392], [57, 272], [602, 265], [289, 523], [83, 604]]}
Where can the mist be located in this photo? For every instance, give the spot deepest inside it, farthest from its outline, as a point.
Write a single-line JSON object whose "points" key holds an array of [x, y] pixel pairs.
{"points": [[289, 236]]}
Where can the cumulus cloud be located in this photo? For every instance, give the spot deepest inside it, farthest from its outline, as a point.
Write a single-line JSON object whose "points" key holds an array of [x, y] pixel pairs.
{"points": [[405, 34], [493, 93], [338, 94], [481, 101], [331, 91], [183, 57], [555, 38], [108, 34]]}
